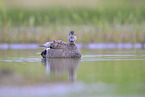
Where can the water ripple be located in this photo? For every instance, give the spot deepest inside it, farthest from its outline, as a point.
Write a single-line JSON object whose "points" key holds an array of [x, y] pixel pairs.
{"points": [[106, 55], [84, 58], [111, 57], [97, 59], [21, 60]]}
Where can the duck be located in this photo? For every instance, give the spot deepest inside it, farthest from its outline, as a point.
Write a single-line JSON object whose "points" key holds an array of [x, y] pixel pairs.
{"points": [[61, 49]]}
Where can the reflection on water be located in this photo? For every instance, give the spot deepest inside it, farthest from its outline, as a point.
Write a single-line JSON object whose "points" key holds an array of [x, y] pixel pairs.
{"points": [[99, 73], [59, 66]]}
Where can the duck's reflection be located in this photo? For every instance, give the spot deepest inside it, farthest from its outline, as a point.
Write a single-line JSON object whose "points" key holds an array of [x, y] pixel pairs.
{"points": [[61, 66]]}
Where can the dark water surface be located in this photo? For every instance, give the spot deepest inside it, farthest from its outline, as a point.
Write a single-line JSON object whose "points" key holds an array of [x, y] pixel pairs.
{"points": [[99, 73]]}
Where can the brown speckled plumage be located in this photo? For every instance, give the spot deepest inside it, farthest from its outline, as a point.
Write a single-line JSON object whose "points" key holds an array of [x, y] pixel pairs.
{"points": [[61, 49], [58, 44]]}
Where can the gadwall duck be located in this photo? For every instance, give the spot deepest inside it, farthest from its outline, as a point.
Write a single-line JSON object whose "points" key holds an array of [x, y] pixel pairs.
{"points": [[61, 49]]}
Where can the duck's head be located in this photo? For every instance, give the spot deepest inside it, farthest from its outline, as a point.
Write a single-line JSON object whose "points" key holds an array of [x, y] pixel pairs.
{"points": [[72, 37]]}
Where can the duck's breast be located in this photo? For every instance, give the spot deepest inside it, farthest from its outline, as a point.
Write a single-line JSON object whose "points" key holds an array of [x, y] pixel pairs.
{"points": [[72, 51], [67, 51]]}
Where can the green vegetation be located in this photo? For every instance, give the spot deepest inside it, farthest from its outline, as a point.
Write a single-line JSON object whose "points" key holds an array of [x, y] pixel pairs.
{"points": [[79, 16], [111, 22]]}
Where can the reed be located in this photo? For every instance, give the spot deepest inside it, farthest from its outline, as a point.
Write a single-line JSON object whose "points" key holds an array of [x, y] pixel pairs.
{"points": [[85, 34], [122, 22], [79, 16]]}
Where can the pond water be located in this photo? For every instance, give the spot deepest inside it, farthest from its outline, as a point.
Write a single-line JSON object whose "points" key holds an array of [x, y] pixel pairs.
{"points": [[99, 73]]}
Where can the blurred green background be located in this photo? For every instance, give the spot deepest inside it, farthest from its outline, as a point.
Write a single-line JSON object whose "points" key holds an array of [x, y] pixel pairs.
{"points": [[38, 21]]}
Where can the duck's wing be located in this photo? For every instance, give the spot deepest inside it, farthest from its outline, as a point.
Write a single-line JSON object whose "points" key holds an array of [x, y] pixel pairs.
{"points": [[58, 44], [46, 45]]}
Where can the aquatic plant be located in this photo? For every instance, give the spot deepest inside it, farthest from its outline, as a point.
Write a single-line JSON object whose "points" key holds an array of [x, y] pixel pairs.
{"points": [[105, 22]]}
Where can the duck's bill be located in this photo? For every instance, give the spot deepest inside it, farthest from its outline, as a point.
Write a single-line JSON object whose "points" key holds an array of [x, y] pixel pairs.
{"points": [[72, 39]]}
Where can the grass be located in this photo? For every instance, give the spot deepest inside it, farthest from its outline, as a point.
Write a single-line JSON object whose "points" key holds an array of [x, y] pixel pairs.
{"points": [[79, 16], [115, 22]]}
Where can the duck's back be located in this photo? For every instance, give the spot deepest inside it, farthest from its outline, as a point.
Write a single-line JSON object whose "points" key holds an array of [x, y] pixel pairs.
{"points": [[58, 44]]}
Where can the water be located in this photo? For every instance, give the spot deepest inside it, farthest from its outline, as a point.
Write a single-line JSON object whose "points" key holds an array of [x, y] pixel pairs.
{"points": [[99, 73], [86, 46]]}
